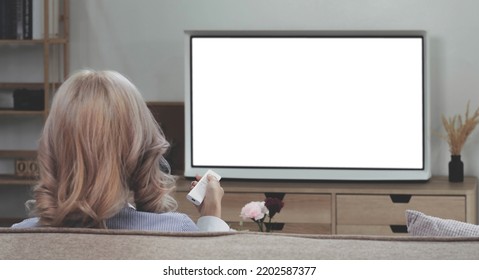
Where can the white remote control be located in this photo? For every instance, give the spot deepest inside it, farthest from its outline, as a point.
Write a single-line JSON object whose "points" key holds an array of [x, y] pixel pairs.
{"points": [[197, 194]]}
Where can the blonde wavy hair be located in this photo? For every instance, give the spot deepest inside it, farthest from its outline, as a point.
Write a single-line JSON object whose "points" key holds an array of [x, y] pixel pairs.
{"points": [[100, 148]]}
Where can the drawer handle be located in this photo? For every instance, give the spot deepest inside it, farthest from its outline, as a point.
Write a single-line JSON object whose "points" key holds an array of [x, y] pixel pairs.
{"points": [[275, 195], [400, 198], [276, 226], [398, 228]]}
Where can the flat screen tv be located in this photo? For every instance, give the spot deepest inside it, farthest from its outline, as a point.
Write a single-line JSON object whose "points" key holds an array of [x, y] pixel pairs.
{"points": [[307, 105]]}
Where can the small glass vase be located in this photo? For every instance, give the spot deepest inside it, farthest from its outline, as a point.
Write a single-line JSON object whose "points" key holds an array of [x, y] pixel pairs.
{"points": [[456, 169]]}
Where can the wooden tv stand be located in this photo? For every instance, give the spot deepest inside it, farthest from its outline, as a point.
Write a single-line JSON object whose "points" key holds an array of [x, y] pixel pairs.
{"points": [[345, 207]]}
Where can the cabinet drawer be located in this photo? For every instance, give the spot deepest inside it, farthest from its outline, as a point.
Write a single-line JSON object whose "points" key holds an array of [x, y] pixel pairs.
{"points": [[390, 209], [298, 208]]}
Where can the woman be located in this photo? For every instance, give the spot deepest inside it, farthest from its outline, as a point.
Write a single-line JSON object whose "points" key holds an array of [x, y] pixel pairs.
{"points": [[100, 149]]}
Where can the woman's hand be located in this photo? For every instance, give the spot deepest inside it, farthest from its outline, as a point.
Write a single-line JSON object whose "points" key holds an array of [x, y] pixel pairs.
{"points": [[211, 205]]}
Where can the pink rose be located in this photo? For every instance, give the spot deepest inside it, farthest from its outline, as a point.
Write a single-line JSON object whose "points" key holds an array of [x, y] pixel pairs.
{"points": [[254, 210]]}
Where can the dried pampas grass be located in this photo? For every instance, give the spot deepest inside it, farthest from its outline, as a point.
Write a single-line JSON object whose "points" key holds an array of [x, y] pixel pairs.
{"points": [[458, 129]]}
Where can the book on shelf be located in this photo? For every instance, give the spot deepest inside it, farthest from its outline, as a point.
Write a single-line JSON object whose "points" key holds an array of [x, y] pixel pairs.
{"points": [[27, 19], [22, 99], [15, 19], [28, 100], [8, 19], [6, 99], [53, 22], [24, 19], [37, 20]]}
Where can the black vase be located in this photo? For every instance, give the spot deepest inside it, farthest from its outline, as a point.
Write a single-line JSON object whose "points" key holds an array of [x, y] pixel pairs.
{"points": [[274, 227], [456, 169]]}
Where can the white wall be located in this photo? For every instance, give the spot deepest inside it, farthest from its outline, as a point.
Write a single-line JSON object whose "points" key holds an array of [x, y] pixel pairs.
{"points": [[143, 39]]}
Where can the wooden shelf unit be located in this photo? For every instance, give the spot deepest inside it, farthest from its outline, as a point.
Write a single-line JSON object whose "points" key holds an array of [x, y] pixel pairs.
{"points": [[48, 84], [12, 180], [18, 153], [370, 208]]}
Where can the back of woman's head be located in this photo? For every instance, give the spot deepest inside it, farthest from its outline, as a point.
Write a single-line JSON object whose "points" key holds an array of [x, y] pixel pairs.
{"points": [[100, 144]]}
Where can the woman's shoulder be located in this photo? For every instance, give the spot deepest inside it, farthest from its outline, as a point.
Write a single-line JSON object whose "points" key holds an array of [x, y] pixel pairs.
{"points": [[27, 223], [129, 218]]}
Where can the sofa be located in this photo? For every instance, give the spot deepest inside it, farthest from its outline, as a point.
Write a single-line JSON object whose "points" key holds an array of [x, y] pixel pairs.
{"points": [[97, 244], [430, 238]]}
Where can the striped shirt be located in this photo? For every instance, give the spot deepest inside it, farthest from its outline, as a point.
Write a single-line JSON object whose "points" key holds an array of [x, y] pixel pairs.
{"points": [[129, 218]]}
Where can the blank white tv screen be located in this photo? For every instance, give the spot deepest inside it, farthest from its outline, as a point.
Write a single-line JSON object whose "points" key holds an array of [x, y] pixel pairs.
{"points": [[307, 103]]}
